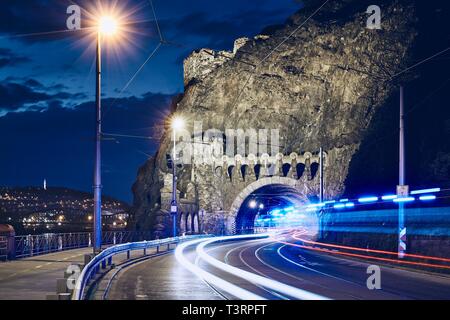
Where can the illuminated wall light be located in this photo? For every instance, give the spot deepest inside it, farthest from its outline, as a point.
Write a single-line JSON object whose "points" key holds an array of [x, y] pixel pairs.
{"points": [[339, 206], [367, 199], [389, 197], [330, 202], [343, 200], [427, 198], [432, 190], [406, 199]]}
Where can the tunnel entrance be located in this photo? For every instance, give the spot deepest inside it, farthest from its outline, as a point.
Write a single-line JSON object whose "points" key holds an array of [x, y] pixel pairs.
{"points": [[274, 206]]}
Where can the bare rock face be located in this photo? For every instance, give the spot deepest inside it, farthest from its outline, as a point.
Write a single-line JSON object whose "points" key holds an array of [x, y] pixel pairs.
{"points": [[318, 81]]}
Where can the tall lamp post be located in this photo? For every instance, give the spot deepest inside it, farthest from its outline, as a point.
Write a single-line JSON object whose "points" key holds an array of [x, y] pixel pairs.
{"points": [[107, 27], [402, 188], [177, 124]]}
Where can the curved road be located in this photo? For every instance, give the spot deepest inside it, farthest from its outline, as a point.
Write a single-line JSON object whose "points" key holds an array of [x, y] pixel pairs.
{"points": [[321, 274]]}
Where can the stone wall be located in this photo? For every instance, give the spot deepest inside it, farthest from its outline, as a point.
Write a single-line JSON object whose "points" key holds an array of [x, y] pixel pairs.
{"points": [[320, 88]]}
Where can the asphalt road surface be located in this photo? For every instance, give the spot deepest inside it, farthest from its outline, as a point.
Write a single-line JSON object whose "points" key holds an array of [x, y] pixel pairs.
{"points": [[318, 273], [34, 278]]}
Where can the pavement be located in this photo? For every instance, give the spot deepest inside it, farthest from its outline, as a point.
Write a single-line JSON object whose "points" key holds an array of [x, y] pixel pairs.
{"points": [[320, 273], [35, 277], [162, 277]]}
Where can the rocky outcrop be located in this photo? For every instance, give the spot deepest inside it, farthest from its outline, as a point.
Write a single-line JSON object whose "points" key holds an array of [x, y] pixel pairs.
{"points": [[318, 81]]}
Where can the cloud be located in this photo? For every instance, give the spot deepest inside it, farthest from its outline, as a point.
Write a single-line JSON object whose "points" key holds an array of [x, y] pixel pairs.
{"points": [[22, 94], [57, 143], [201, 30], [26, 17], [9, 59]]}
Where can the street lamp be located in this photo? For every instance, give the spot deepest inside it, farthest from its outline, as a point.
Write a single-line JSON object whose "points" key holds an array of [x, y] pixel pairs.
{"points": [[107, 26], [177, 124]]}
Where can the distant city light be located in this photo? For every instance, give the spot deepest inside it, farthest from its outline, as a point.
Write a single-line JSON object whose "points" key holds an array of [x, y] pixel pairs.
{"points": [[367, 199], [339, 206], [261, 206], [432, 190], [252, 204], [389, 197], [343, 200]]}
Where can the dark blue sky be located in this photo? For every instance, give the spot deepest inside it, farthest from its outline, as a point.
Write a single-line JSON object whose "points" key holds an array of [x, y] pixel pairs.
{"points": [[47, 83]]}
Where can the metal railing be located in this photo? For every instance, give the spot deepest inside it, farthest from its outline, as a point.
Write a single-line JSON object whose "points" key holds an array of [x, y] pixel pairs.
{"points": [[33, 245], [105, 257], [3, 248]]}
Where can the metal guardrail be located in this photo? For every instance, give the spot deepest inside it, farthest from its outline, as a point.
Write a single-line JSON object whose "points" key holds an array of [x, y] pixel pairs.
{"points": [[33, 245], [3, 248], [93, 267]]}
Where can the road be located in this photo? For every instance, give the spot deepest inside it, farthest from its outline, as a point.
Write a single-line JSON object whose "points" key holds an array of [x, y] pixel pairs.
{"points": [[310, 273], [35, 277]]}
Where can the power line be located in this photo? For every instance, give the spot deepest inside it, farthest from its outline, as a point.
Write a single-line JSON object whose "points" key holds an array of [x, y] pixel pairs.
{"points": [[156, 21], [275, 49], [419, 63]]}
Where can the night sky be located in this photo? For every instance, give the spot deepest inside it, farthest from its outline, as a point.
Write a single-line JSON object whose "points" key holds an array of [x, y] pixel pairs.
{"points": [[47, 83]]}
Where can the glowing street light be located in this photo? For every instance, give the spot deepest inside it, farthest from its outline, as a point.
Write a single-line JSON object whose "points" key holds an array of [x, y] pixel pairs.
{"points": [[177, 124], [107, 26]]}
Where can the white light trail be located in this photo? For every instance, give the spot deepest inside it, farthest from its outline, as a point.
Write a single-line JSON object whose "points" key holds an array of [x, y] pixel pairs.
{"points": [[210, 278], [248, 276]]}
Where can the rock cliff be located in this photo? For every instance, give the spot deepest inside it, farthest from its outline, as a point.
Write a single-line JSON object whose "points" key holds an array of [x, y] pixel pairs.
{"points": [[318, 80]]}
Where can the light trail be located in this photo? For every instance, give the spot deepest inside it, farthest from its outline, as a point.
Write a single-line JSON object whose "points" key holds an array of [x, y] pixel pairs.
{"points": [[396, 261], [248, 276], [206, 276], [296, 237]]}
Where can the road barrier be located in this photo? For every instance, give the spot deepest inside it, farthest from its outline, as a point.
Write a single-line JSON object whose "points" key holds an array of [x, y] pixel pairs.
{"points": [[3, 248], [33, 245], [105, 258]]}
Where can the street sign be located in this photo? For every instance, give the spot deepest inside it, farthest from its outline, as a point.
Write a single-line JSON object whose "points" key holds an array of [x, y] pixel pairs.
{"points": [[403, 191]]}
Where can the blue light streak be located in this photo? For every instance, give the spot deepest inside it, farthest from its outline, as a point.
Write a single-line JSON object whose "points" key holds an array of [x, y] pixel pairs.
{"points": [[405, 199], [432, 190], [427, 198], [367, 199], [389, 197], [349, 205]]}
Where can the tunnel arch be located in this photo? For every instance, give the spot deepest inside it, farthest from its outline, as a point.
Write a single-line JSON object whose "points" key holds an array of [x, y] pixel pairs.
{"points": [[287, 193], [290, 182]]}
